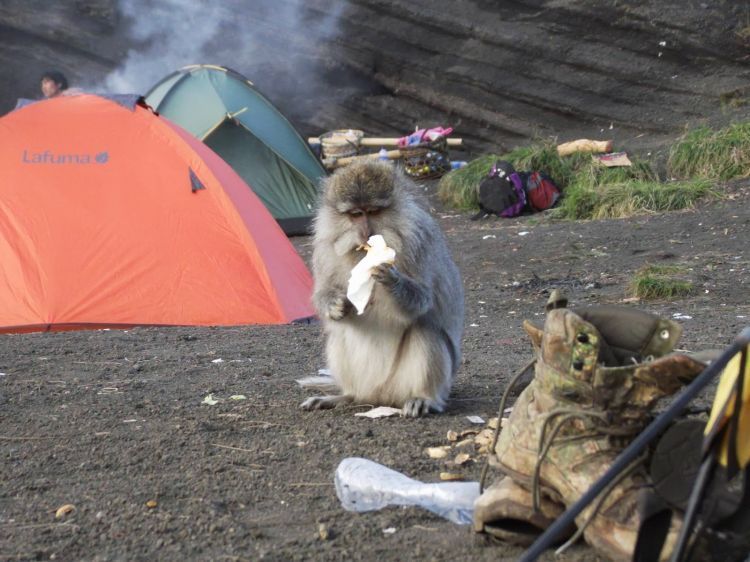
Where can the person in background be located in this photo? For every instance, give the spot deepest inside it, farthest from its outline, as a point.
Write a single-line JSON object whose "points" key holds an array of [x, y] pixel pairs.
{"points": [[53, 83]]}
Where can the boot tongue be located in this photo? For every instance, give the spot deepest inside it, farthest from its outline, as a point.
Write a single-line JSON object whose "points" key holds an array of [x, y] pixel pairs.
{"points": [[631, 335]]}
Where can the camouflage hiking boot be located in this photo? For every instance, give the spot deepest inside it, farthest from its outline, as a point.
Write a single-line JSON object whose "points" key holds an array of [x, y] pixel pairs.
{"points": [[505, 511], [598, 375]]}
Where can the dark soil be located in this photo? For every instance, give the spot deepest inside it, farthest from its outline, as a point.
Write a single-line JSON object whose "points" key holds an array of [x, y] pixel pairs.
{"points": [[108, 420]]}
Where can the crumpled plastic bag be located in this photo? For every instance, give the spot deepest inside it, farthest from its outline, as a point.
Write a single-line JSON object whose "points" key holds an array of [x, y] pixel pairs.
{"points": [[361, 282]]}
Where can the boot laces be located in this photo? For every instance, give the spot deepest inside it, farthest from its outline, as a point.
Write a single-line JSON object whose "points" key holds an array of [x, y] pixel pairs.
{"points": [[561, 416], [501, 410]]}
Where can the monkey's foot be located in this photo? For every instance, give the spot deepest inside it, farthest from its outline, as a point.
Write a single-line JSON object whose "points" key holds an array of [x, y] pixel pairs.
{"points": [[324, 402], [419, 407]]}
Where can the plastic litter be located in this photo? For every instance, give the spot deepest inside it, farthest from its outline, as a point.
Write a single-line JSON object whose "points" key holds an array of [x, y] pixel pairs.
{"points": [[210, 400], [380, 412], [364, 485]]}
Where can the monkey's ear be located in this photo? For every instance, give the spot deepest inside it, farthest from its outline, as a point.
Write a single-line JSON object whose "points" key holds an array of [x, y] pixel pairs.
{"points": [[327, 188]]}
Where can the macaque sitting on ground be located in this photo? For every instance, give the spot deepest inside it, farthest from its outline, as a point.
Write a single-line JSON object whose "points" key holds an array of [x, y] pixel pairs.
{"points": [[403, 349]]}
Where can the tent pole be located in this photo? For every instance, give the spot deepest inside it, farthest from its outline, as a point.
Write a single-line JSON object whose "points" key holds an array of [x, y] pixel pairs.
{"points": [[212, 129]]}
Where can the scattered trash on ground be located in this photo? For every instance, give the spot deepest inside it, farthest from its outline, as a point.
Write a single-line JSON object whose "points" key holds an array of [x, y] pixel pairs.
{"points": [[451, 477], [614, 159], [64, 510], [210, 400], [464, 445], [462, 458], [438, 452], [109, 390], [364, 485], [380, 412]]}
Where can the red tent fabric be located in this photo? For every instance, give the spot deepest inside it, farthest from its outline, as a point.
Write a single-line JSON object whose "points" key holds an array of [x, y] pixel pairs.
{"points": [[113, 216]]}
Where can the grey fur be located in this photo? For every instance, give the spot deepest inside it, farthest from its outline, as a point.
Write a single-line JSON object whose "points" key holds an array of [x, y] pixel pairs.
{"points": [[404, 350]]}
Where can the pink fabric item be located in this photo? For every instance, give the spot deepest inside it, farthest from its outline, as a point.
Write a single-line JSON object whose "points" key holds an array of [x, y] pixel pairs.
{"points": [[424, 135]]}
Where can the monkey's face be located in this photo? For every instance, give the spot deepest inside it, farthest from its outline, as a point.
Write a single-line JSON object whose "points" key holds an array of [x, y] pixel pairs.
{"points": [[363, 220], [361, 197]]}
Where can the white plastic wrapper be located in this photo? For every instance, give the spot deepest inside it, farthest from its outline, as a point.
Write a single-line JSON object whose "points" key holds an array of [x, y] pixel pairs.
{"points": [[361, 282]]}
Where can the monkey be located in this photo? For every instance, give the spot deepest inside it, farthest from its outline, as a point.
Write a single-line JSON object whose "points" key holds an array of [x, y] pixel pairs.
{"points": [[405, 348]]}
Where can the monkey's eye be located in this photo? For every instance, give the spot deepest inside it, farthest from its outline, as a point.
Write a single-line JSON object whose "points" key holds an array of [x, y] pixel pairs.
{"points": [[356, 213], [374, 212]]}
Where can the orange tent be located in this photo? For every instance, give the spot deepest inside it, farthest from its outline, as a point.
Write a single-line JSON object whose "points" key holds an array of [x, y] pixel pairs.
{"points": [[112, 216]]}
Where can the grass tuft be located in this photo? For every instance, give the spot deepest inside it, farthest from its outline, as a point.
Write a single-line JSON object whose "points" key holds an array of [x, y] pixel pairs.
{"points": [[718, 155], [460, 188], [661, 282], [628, 198], [593, 191]]}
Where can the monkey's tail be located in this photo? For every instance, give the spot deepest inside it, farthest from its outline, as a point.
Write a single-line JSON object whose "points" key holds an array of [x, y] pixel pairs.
{"points": [[323, 383]]}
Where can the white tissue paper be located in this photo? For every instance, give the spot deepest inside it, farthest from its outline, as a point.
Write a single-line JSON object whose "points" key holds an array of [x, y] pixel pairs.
{"points": [[361, 282]]}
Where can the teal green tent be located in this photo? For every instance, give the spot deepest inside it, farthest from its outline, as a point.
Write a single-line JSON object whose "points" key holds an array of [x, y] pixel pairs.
{"points": [[225, 111]]}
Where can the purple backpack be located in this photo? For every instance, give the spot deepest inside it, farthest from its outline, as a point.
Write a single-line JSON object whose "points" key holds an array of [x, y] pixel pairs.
{"points": [[501, 193]]}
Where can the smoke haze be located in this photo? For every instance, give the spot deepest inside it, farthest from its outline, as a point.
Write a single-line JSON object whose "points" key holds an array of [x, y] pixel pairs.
{"points": [[171, 34], [268, 41]]}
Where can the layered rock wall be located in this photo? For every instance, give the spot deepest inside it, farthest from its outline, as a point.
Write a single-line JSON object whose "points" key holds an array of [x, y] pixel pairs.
{"points": [[501, 72]]}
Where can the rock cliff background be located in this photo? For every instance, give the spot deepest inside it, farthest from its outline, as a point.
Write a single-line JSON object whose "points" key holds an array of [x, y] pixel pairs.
{"points": [[500, 71]]}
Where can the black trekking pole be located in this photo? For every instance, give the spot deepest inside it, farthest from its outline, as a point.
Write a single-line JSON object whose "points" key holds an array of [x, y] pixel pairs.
{"points": [[660, 423]]}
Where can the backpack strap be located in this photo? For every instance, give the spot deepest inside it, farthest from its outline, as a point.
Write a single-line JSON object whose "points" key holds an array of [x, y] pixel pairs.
{"points": [[656, 518]]}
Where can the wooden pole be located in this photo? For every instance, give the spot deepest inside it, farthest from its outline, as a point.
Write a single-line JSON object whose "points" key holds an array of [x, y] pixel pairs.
{"points": [[385, 141], [341, 162]]}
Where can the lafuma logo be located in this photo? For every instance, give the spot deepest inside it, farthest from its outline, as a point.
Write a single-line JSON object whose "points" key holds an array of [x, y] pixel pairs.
{"points": [[49, 157]]}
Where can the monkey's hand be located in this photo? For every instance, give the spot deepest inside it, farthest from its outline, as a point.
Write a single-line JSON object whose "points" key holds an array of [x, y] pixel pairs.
{"points": [[338, 307], [386, 273]]}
